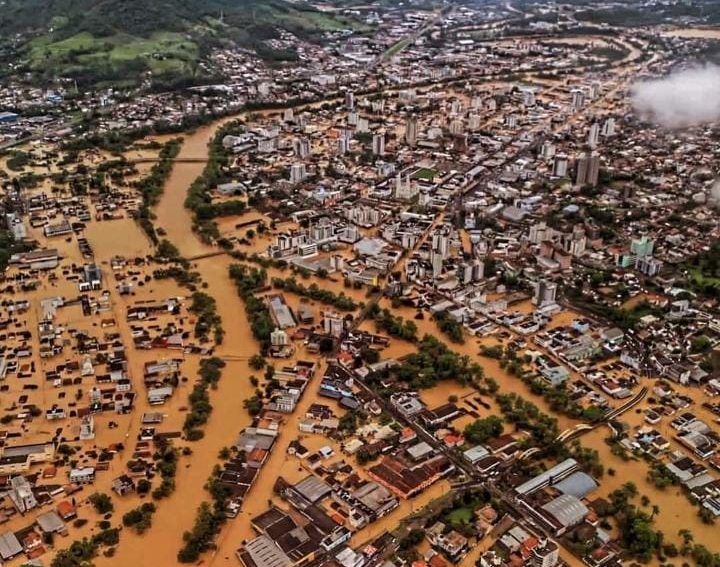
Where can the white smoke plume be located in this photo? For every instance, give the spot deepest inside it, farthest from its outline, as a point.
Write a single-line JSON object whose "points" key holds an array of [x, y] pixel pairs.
{"points": [[680, 100]]}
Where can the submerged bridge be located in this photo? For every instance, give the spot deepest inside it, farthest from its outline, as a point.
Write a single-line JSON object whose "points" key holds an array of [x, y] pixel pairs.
{"points": [[136, 161], [631, 403], [582, 428], [212, 254]]}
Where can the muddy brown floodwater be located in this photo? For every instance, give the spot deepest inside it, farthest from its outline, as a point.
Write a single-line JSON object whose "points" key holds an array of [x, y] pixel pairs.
{"points": [[695, 33], [675, 511], [176, 514]]}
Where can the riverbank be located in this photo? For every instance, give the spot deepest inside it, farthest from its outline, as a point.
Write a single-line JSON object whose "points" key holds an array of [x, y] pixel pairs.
{"points": [[177, 513]]}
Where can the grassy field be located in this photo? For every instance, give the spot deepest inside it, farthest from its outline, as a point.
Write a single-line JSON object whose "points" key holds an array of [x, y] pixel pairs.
{"points": [[460, 516], [103, 42], [319, 21], [424, 173], [698, 278], [161, 53], [397, 48]]}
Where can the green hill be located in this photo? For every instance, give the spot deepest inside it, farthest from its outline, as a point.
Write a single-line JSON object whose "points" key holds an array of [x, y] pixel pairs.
{"points": [[115, 41]]}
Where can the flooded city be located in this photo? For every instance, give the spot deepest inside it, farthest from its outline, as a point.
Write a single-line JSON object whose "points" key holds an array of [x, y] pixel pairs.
{"points": [[341, 285]]}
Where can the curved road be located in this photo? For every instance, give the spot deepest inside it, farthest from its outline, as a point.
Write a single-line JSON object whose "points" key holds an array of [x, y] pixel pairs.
{"points": [[177, 513]]}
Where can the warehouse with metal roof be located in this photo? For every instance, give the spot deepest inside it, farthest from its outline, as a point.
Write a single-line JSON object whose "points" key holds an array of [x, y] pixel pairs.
{"points": [[564, 512], [9, 546], [578, 484], [556, 473]]}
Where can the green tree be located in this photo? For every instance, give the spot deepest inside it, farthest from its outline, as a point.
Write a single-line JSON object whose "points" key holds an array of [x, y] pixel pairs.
{"points": [[700, 344], [483, 429], [101, 502], [257, 362]]}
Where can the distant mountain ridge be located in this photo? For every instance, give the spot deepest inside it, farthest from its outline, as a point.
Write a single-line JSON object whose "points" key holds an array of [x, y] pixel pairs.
{"points": [[104, 17], [136, 17], [102, 40]]}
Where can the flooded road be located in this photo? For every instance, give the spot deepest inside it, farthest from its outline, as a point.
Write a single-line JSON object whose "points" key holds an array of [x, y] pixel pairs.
{"points": [[471, 348], [694, 33], [675, 513], [177, 513]]}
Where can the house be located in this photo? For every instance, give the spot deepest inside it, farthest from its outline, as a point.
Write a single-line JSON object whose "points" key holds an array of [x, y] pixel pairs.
{"points": [[406, 480], [452, 542], [630, 359], [19, 458], [66, 510], [336, 538], [283, 403], [256, 443], [488, 465], [21, 494], [87, 428], [612, 335], [554, 374], [440, 415], [376, 498], [61, 228], [347, 557], [32, 541], [420, 450], [684, 468], [158, 396], [85, 475], [305, 314], [51, 523], [504, 446], [475, 454], [407, 435], [407, 404], [453, 440], [123, 485], [92, 278], [152, 418], [701, 444]]}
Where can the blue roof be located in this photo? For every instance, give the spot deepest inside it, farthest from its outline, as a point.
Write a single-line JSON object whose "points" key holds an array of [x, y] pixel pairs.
{"points": [[578, 484], [545, 478]]}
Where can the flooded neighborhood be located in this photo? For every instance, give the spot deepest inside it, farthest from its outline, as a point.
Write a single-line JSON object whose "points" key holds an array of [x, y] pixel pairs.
{"points": [[437, 287]]}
